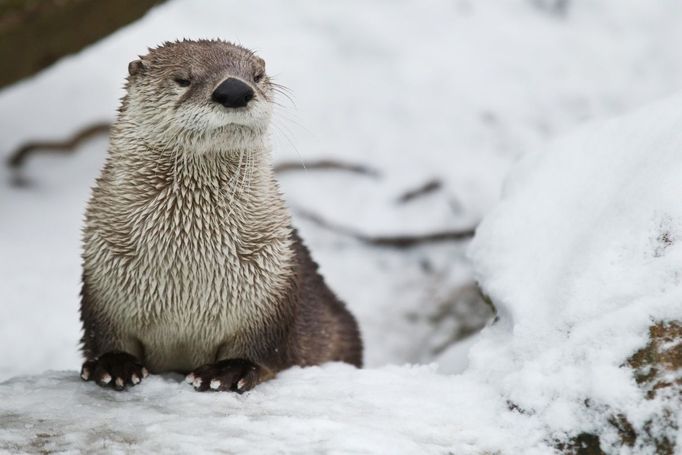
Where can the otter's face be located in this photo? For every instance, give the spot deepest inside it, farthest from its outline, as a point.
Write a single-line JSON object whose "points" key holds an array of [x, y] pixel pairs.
{"points": [[197, 90]]}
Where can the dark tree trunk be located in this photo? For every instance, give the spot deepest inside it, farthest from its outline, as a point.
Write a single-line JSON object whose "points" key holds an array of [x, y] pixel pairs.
{"points": [[36, 33]]}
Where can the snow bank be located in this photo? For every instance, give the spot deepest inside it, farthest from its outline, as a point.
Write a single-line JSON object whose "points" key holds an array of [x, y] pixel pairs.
{"points": [[581, 257]]}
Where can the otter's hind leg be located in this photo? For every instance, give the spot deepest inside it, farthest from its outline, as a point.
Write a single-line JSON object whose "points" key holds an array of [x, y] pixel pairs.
{"points": [[324, 329], [114, 369], [235, 375], [106, 361]]}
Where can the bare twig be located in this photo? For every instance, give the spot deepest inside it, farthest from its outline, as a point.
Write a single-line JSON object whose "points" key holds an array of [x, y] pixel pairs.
{"points": [[289, 166], [395, 241], [18, 158], [427, 188], [35, 34]]}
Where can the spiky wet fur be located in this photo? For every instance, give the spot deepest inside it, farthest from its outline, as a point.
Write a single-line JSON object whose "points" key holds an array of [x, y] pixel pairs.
{"points": [[189, 256]]}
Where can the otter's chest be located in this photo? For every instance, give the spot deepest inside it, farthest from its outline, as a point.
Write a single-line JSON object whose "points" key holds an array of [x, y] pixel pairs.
{"points": [[191, 256], [200, 280]]}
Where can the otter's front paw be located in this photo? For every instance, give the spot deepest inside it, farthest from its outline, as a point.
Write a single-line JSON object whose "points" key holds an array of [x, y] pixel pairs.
{"points": [[114, 369], [236, 375]]}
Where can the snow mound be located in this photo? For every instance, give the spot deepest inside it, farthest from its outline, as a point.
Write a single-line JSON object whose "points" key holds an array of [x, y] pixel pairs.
{"points": [[581, 257]]}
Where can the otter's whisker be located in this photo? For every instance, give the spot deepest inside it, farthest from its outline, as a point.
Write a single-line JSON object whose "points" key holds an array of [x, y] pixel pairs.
{"points": [[251, 169], [286, 135], [247, 172], [235, 178]]}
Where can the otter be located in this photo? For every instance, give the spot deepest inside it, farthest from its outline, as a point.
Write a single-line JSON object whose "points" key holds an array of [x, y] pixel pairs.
{"points": [[190, 260]]}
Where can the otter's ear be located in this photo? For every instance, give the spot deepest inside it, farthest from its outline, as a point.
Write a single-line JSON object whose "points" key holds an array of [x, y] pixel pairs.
{"points": [[136, 67]]}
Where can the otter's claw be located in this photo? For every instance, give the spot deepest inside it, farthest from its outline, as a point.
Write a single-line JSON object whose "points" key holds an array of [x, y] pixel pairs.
{"points": [[236, 375], [114, 369]]}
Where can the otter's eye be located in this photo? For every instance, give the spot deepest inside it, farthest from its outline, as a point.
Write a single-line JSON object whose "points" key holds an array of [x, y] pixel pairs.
{"points": [[182, 82], [258, 76]]}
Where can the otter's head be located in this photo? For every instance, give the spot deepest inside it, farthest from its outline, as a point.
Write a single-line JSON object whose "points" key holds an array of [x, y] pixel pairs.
{"points": [[196, 94]]}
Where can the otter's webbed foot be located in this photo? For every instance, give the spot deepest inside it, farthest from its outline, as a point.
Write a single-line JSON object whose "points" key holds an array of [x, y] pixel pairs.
{"points": [[235, 375], [114, 369]]}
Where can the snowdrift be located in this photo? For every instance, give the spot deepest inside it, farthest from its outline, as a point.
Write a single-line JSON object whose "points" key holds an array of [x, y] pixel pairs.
{"points": [[583, 260]]}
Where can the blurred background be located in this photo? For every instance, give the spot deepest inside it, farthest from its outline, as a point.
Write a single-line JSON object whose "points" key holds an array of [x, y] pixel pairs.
{"points": [[408, 113]]}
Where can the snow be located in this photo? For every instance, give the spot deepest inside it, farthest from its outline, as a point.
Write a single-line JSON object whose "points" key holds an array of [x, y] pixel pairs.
{"points": [[329, 409], [579, 256]]}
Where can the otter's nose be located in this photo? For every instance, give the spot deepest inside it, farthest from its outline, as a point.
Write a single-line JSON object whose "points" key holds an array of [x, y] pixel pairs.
{"points": [[233, 93]]}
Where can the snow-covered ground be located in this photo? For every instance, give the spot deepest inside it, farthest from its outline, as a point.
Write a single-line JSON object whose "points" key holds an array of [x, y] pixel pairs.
{"points": [[452, 90], [333, 409]]}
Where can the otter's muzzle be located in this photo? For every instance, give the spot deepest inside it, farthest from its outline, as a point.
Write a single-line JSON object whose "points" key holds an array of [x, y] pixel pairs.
{"points": [[233, 93]]}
